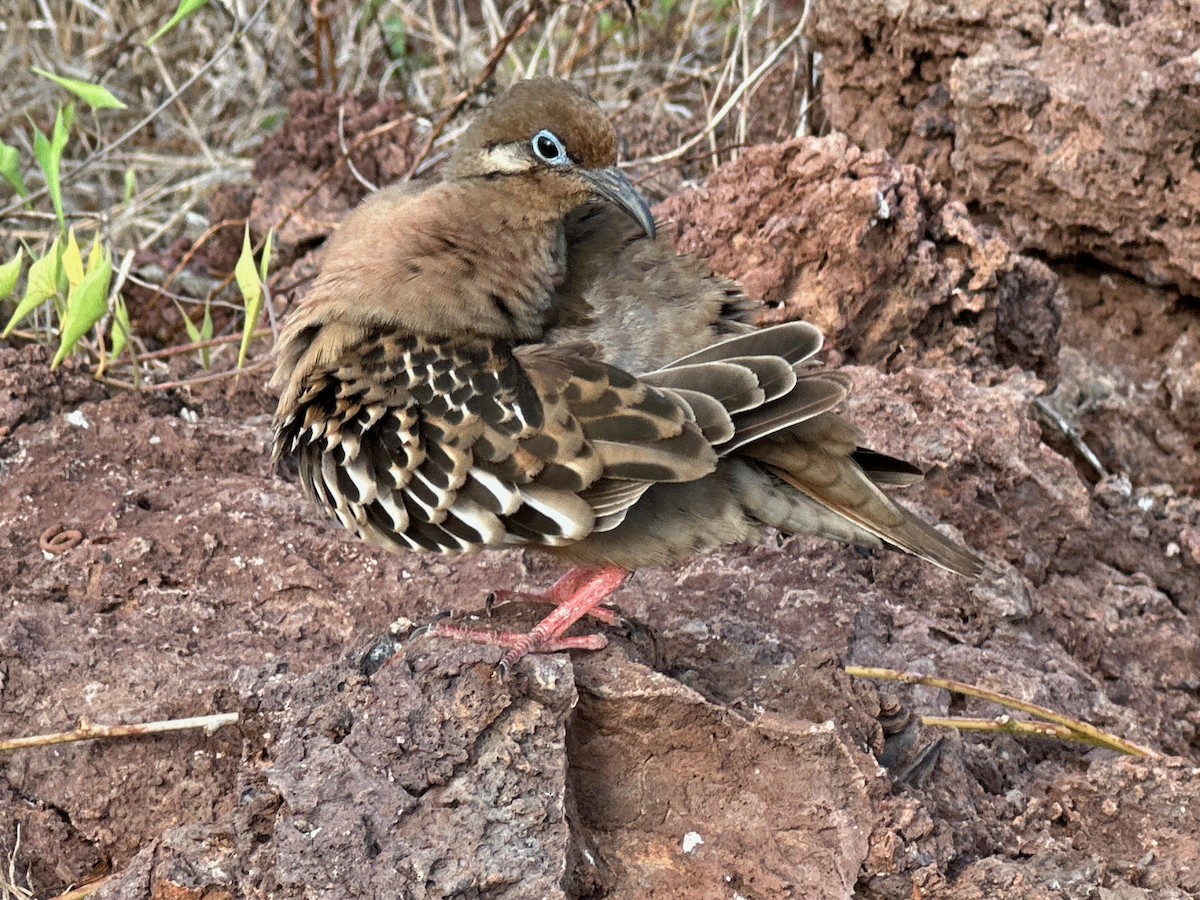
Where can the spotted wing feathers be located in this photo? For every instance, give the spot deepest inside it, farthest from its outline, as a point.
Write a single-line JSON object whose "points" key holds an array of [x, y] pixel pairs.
{"points": [[451, 446]]}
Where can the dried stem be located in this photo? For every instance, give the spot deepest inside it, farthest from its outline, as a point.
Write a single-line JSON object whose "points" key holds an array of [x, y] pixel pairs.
{"points": [[254, 368], [751, 80], [1072, 434], [200, 345], [1071, 729], [1003, 725], [90, 731]]}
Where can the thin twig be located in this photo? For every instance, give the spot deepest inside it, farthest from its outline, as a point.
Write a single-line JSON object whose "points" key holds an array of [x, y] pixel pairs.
{"points": [[8, 884], [85, 890], [90, 731], [167, 352], [155, 300], [1072, 434], [755, 76], [1003, 725], [260, 366], [1080, 731], [476, 83], [358, 176]]}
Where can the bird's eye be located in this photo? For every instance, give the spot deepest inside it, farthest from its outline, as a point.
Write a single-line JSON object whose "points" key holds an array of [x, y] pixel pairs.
{"points": [[548, 148]]}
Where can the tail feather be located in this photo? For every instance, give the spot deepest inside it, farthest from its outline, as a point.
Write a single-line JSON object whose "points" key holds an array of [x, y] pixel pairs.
{"points": [[840, 485], [884, 470], [811, 397], [734, 387], [796, 342]]}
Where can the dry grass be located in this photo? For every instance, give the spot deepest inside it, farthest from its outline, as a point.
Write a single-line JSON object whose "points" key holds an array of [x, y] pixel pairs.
{"points": [[11, 876], [682, 77], [205, 134]]}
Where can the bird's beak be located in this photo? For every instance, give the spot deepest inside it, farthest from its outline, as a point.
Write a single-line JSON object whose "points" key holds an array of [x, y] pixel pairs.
{"points": [[612, 185]]}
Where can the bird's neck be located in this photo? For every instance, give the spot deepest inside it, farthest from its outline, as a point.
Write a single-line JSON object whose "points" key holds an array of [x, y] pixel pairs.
{"points": [[515, 246]]}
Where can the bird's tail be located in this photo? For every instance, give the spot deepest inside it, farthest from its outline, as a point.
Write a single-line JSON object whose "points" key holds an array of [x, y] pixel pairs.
{"points": [[812, 475], [835, 497]]}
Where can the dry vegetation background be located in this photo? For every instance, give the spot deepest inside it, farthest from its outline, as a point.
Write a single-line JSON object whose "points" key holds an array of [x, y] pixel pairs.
{"points": [[991, 207]]}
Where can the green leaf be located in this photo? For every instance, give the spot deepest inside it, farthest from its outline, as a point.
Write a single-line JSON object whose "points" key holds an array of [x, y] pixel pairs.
{"points": [[72, 260], [120, 327], [264, 262], [190, 326], [9, 273], [250, 285], [396, 35], [206, 327], [49, 156], [10, 168], [87, 303], [193, 332], [206, 333], [201, 333], [96, 255], [185, 9], [40, 286], [94, 95]]}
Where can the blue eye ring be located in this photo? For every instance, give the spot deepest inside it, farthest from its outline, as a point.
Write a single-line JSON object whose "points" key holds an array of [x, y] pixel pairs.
{"points": [[549, 149]]}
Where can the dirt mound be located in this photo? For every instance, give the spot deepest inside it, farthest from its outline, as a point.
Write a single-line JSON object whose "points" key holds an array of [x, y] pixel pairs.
{"points": [[874, 254], [202, 584]]}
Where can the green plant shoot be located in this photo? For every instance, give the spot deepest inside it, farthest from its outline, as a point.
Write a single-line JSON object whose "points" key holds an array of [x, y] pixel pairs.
{"points": [[72, 260], [9, 273], [87, 302], [185, 9], [94, 95], [197, 334], [49, 156], [40, 286], [250, 282], [120, 327], [10, 169]]}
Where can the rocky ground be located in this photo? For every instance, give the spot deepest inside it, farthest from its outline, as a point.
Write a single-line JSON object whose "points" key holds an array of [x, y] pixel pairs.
{"points": [[987, 226]]}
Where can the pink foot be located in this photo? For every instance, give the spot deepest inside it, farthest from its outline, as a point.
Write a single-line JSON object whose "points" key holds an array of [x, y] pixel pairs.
{"points": [[577, 594]]}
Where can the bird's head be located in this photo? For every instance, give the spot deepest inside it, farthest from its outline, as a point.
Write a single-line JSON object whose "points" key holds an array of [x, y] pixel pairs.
{"points": [[550, 130]]}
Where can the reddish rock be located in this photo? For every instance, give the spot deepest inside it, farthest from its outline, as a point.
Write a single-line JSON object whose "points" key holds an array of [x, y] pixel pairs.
{"points": [[873, 253], [1073, 128], [718, 746]]}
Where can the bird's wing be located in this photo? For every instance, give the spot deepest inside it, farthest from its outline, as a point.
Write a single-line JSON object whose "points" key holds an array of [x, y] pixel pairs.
{"points": [[643, 436], [764, 380], [451, 446], [793, 430]]}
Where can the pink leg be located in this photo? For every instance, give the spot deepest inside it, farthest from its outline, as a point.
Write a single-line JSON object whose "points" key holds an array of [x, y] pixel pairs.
{"points": [[578, 593], [562, 591]]}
